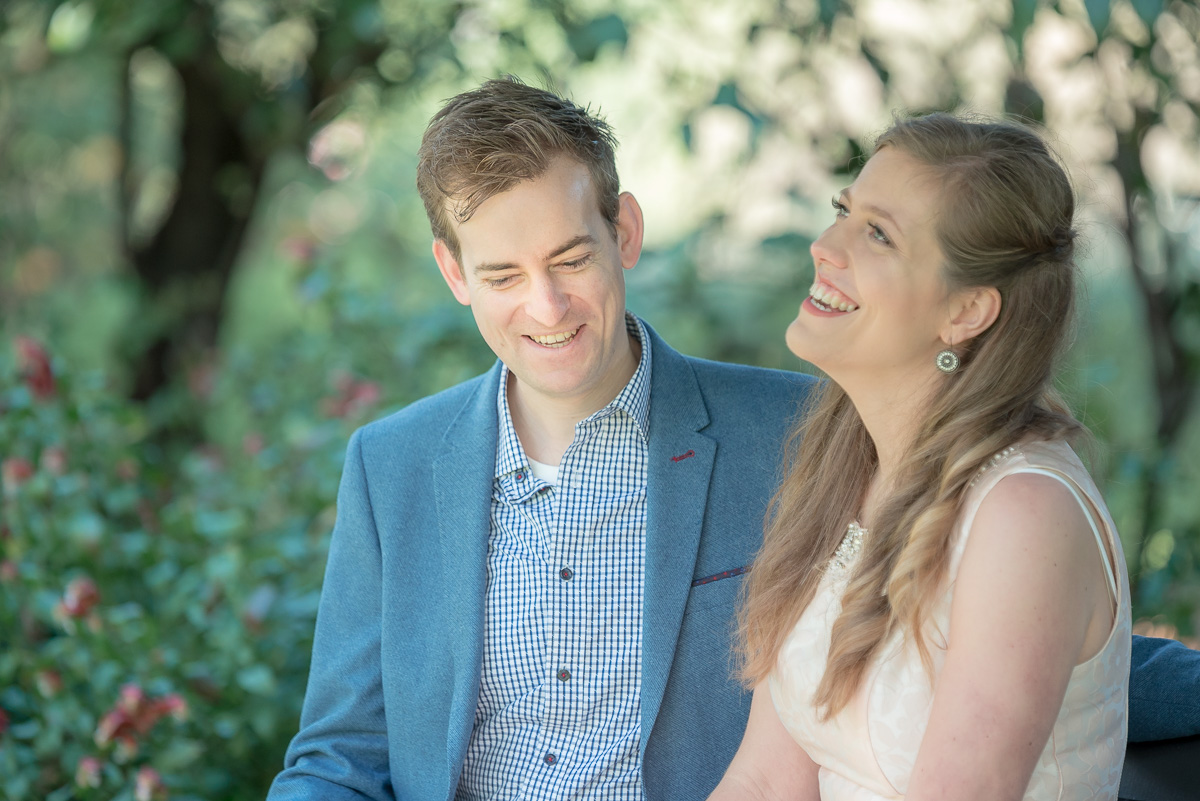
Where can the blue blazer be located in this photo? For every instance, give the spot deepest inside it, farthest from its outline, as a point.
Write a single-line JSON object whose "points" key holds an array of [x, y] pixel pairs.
{"points": [[399, 640]]}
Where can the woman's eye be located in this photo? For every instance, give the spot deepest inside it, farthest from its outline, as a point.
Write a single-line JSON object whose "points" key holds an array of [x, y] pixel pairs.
{"points": [[839, 208], [879, 236]]}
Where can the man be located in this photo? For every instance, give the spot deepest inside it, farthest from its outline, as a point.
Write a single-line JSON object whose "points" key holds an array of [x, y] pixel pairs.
{"points": [[532, 575]]}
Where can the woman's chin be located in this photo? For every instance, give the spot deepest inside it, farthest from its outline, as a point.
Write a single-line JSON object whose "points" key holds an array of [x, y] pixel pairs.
{"points": [[799, 341]]}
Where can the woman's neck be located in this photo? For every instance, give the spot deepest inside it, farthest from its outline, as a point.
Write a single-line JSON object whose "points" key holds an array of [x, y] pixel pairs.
{"points": [[892, 415]]}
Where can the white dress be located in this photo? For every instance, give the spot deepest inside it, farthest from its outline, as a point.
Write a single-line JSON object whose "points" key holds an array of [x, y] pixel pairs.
{"points": [[867, 751]]}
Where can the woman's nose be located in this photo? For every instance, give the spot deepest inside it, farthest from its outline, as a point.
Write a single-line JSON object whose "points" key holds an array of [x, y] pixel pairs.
{"points": [[828, 248]]}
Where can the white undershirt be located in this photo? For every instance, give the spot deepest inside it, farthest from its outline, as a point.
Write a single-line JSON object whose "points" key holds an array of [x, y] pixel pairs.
{"points": [[545, 472]]}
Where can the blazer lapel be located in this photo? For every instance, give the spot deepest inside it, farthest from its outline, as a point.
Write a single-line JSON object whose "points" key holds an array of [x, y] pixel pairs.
{"points": [[680, 467], [463, 472]]}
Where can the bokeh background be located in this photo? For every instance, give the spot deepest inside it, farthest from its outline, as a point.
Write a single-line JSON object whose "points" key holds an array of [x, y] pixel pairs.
{"points": [[214, 265]]}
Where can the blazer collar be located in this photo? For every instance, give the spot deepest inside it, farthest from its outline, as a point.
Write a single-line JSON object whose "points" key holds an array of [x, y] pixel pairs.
{"points": [[463, 471], [680, 468]]}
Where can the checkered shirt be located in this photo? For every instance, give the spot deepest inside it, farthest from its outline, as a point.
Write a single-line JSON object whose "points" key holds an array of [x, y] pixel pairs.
{"points": [[560, 697]]}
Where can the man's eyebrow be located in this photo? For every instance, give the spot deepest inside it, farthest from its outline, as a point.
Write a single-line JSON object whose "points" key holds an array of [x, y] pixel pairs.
{"points": [[571, 244], [582, 239]]}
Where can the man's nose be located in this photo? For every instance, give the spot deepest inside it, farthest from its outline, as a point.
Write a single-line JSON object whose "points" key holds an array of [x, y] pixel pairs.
{"points": [[547, 303], [828, 248]]}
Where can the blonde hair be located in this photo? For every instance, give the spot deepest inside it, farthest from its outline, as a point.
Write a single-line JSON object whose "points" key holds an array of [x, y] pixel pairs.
{"points": [[1005, 221]]}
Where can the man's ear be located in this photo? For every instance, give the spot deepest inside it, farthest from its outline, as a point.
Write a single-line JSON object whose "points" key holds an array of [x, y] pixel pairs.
{"points": [[451, 271], [630, 228], [972, 311]]}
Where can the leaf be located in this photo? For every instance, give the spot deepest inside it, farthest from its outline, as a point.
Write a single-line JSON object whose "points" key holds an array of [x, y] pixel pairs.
{"points": [[1022, 17], [587, 39], [1148, 10], [257, 680], [1098, 12], [828, 9]]}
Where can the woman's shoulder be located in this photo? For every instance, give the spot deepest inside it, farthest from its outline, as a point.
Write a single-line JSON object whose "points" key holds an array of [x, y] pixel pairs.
{"points": [[1027, 489]]}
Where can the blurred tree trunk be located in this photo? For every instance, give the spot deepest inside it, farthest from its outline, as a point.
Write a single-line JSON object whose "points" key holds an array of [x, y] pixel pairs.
{"points": [[1162, 296], [185, 267]]}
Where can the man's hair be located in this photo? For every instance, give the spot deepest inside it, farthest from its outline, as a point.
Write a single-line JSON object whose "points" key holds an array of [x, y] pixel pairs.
{"points": [[486, 141]]}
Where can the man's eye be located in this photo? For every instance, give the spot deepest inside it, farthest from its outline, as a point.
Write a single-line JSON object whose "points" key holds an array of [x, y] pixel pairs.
{"points": [[575, 264], [497, 283]]}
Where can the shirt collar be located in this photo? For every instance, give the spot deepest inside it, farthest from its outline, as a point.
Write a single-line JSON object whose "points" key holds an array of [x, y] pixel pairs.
{"points": [[634, 400]]}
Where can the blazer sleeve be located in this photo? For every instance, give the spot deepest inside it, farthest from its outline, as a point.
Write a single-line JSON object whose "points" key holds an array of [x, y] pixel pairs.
{"points": [[1164, 690], [341, 749]]}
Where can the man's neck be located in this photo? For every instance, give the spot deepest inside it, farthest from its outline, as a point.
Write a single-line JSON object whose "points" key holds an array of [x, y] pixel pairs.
{"points": [[545, 425]]}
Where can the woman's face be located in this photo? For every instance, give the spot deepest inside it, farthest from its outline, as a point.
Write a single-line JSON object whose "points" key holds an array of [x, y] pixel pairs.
{"points": [[878, 305]]}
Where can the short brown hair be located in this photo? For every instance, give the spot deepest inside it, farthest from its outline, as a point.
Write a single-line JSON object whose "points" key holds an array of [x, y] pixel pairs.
{"points": [[485, 141]]}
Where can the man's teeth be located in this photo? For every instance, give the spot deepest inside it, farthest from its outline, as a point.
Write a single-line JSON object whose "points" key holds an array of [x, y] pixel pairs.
{"points": [[827, 299], [554, 340]]}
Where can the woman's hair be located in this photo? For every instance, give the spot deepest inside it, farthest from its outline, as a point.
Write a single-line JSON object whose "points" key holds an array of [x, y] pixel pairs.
{"points": [[1005, 220]]}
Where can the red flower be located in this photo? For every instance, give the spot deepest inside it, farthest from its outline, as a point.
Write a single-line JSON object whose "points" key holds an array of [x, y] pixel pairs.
{"points": [[16, 471], [353, 396], [80, 597], [54, 460], [3, 722], [133, 715], [87, 773], [35, 368], [172, 704], [149, 785]]}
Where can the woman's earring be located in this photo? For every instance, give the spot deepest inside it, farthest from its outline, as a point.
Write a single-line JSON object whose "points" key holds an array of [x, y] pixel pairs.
{"points": [[947, 361]]}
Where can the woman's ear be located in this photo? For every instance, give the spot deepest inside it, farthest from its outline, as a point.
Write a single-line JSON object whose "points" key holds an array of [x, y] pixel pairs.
{"points": [[972, 311]]}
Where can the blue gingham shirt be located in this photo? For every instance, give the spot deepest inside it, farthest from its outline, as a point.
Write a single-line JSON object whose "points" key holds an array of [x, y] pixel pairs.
{"points": [[560, 697]]}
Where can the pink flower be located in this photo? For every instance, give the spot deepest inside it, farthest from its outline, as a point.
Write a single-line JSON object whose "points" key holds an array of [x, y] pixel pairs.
{"points": [[80, 597], [3, 722], [353, 396], [15, 471], [132, 699], [8, 571], [54, 460], [149, 785], [172, 704], [133, 715], [35, 368], [87, 772]]}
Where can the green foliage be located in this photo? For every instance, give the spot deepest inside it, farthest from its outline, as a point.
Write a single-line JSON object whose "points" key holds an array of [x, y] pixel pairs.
{"points": [[194, 581]]}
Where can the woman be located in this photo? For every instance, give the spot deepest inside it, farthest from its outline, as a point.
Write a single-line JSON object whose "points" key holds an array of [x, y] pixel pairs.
{"points": [[940, 608]]}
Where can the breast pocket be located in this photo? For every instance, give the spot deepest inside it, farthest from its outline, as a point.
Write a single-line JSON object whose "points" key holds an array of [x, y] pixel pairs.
{"points": [[718, 594]]}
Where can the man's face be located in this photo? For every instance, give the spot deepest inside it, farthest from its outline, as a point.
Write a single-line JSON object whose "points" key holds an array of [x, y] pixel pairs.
{"points": [[543, 274]]}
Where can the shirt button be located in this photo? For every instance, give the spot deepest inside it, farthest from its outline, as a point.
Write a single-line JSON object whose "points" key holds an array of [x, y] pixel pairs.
{"points": [[564, 675], [565, 574], [520, 476], [549, 759]]}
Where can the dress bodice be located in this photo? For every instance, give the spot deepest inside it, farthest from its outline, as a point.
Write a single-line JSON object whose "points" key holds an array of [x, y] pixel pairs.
{"points": [[867, 751]]}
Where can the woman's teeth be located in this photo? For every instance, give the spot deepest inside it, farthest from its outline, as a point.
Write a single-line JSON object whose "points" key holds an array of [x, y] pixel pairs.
{"points": [[554, 340], [828, 299]]}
